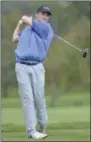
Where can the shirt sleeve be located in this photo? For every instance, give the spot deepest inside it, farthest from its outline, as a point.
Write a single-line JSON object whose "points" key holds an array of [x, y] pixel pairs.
{"points": [[19, 34], [40, 28]]}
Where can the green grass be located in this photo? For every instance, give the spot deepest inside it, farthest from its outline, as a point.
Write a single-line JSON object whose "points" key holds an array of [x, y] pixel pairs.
{"points": [[66, 122], [74, 114], [53, 135], [51, 126], [73, 99]]}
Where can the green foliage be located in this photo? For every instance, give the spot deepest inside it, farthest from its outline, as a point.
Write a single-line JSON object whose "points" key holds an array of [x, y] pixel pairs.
{"points": [[64, 66]]}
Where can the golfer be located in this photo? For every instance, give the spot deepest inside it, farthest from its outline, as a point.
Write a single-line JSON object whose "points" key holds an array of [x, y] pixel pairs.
{"points": [[33, 43]]}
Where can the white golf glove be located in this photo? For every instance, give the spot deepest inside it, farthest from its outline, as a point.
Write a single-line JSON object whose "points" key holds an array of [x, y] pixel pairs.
{"points": [[20, 22]]}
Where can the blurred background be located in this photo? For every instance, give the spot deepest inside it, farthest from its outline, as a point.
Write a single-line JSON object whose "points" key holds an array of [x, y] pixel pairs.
{"points": [[67, 88]]}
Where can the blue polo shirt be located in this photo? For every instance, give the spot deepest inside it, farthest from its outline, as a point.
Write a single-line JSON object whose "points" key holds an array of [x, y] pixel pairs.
{"points": [[34, 41]]}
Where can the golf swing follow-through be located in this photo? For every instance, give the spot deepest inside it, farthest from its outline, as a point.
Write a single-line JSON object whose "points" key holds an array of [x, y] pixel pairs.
{"points": [[33, 44]]}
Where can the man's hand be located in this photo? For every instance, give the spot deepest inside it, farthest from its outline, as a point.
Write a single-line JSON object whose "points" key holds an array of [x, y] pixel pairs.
{"points": [[26, 20], [20, 22]]}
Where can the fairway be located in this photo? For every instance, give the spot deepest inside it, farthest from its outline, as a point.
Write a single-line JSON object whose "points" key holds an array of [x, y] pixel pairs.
{"points": [[65, 124], [54, 135], [56, 115]]}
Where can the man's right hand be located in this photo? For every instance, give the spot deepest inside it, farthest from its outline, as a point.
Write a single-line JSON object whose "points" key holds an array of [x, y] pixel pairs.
{"points": [[27, 20], [20, 22]]}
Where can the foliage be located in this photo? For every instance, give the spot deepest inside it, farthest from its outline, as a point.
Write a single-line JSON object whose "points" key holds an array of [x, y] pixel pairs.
{"points": [[64, 65]]}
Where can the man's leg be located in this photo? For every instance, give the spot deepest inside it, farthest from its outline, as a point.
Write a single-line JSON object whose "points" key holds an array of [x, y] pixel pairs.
{"points": [[38, 89], [26, 95]]}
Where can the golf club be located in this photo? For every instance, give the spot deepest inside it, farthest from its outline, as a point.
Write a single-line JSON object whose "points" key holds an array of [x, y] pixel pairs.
{"points": [[84, 52]]}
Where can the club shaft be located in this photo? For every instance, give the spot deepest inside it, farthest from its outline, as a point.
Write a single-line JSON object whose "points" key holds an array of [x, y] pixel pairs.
{"points": [[68, 43]]}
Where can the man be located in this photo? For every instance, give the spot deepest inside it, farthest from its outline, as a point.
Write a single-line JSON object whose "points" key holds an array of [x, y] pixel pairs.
{"points": [[33, 44]]}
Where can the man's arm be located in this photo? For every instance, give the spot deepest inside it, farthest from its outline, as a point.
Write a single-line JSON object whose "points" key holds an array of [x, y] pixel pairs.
{"points": [[16, 31], [24, 20]]}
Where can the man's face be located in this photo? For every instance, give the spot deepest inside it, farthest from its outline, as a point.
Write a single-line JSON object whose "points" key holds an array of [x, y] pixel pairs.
{"points": [[42, 16]]}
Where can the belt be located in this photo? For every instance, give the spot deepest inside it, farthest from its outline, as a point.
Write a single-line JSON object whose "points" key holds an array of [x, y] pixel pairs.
{"points": [[27, 63]]}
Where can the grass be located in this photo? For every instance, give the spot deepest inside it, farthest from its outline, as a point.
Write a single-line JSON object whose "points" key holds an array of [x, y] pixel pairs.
{"points": [[65, 100], [15, 116], [66, 123], [54, 135]]}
